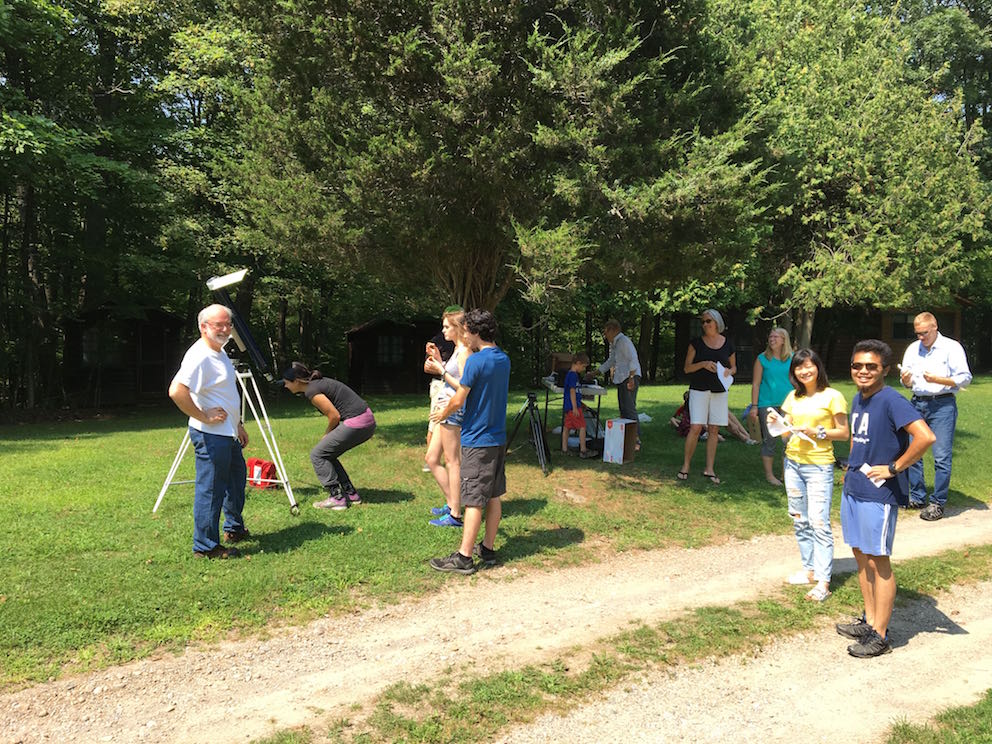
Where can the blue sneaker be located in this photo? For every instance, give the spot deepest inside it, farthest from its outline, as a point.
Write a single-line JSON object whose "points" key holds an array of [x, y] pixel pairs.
{"points": [[440, 511], [446, 521]]}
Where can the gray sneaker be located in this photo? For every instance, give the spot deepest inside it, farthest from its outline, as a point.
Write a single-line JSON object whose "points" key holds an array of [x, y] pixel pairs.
{"points": [[855, 630], [337, 503], [454, 563], [871, 645], [932, 512]]}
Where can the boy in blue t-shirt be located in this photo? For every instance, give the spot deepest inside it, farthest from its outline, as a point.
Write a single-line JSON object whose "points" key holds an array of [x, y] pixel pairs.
{"points": [[483, 389], [887, 436], [574, 411]]}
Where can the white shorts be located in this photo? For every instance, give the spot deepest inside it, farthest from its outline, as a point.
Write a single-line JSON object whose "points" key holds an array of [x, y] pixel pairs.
{"points": [[708, 408], [437, 387]]}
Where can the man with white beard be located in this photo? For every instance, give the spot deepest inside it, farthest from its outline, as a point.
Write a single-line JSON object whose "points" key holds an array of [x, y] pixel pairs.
{"points": [[205, 389]]}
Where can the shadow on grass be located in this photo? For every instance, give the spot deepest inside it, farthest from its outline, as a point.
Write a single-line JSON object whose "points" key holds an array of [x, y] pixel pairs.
{"points": [[369, 495], [534, 542], [646, 480], [292, 537], [384, 496], [523, 507], [409, 434]]}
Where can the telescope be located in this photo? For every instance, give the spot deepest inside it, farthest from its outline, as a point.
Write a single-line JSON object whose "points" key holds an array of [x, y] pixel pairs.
{"points": [[239, 332]]}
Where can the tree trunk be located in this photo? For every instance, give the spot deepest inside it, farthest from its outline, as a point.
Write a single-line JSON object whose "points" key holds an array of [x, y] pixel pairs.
{"points": [[655, 340], [34, 324], [306, 335], [475, 278], [644, 341], [283, 359], [803, 327]]}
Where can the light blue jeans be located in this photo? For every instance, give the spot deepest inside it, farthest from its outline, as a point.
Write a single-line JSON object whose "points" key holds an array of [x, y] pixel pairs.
{"points": [[810, 488]]}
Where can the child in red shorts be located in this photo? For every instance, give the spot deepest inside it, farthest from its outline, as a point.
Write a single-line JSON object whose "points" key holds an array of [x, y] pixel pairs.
{"points": [[575, 419]]}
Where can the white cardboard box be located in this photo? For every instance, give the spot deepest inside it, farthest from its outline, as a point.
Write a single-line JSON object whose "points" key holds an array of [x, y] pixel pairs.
{"points": [[621, 440]]}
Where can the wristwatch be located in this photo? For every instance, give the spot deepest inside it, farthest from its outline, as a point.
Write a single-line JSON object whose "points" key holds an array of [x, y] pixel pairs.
{"points": [[821, 432], [893, 469]]}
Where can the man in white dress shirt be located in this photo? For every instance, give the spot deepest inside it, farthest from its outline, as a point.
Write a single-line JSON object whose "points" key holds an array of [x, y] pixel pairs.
{"points": [[935, 369], [626, 370]]}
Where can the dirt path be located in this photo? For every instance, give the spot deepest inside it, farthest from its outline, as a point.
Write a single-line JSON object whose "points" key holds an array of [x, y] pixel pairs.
{"points": [[803, 688], [300, 675]]}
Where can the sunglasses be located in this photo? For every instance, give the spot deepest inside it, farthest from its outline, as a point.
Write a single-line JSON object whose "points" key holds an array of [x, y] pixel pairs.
{"points": [[867, 366], [704, 321]]}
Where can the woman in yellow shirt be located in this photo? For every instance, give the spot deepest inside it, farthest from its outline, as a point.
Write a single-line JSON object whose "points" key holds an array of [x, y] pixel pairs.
{"points": [[816, 415]]}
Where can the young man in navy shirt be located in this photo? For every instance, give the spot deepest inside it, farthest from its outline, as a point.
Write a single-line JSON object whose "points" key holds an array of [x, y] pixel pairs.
{"points": [[887, 436], [483, 389]]}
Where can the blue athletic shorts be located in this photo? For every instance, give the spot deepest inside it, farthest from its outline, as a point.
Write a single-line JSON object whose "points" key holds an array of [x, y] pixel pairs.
{"points": [[869, 526]]}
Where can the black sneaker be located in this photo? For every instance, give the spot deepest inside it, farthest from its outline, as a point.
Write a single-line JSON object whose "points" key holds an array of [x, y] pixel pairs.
{"points": [[454, 563], [855, 630], [932, 513], [916, 504], [871, 645], [486, 556]]}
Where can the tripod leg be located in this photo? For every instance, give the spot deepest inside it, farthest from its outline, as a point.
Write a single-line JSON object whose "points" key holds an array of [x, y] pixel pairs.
{"points": [[516, 426], [540, 442], [274, 448], [268, 438], [183, 446]]}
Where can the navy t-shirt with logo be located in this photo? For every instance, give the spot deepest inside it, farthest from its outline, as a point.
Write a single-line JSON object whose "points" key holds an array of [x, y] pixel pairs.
{"points": [[878, 437]]}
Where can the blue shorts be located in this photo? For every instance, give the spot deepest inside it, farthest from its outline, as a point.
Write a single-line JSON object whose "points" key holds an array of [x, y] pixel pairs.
{"points": [[869, 526], [456, 418]]}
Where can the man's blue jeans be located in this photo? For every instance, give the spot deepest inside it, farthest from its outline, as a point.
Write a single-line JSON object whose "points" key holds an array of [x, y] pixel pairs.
{"points": [[941, 415], [627, 401], [220, 481], [810, 489]]}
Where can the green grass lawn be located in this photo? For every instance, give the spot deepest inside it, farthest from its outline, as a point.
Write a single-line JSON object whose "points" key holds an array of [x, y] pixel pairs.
{"points": [[89, 576], [965, 725]]}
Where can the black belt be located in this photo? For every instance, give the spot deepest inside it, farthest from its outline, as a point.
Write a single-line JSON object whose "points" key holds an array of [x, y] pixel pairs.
{"points": [[932, 397]]}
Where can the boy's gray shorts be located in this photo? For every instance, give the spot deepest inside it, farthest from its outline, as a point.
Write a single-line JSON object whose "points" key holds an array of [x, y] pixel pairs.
{"points": [[483, 475]]}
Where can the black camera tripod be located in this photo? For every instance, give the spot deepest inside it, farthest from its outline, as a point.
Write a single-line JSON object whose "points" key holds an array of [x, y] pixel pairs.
{"points": [[530, 410]]}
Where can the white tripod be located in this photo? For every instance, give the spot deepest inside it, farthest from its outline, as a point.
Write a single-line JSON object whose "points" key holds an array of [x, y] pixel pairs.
{"points": [[255, 404]]}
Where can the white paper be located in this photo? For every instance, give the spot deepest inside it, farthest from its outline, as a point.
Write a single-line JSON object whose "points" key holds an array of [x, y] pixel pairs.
{"points": [[777, 427], [725, 381], [865, 467]]}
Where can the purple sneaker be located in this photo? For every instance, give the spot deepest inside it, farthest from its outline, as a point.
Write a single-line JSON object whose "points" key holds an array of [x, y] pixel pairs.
{"points": [[337, 503], [446, 521], [353, 497], [440, 511]]}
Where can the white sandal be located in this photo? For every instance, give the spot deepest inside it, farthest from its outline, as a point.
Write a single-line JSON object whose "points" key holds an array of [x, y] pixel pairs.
{"points": [[819, 592], [800, 577]]}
